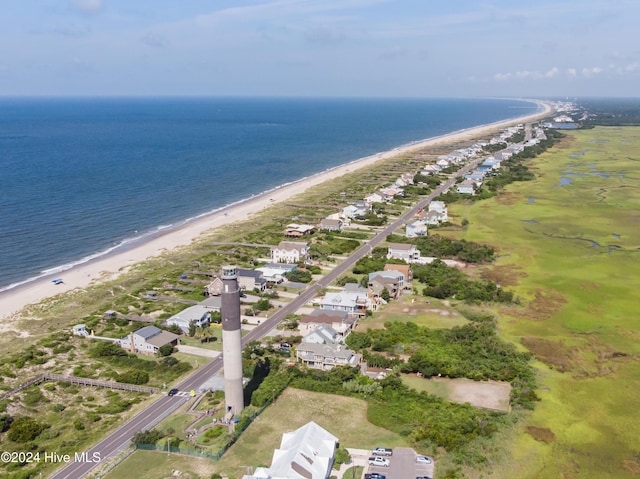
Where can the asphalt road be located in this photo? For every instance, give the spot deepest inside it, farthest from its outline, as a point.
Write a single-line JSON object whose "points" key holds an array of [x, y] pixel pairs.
{"points": [[162, 407]]}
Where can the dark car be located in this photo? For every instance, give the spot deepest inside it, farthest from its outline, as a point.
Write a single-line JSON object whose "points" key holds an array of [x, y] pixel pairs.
{"points": [[375, 475], [173, 392], [285, 345], [423, 477]]}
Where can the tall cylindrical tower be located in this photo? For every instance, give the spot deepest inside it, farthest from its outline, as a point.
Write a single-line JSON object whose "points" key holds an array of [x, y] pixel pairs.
{"points": [[231, 341]]}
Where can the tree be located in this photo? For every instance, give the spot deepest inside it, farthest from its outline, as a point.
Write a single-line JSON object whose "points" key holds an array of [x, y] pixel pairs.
{"points": [[298, 276], [192, 329], [165, 350], [384, 294], [147, 437], [262, 305]]}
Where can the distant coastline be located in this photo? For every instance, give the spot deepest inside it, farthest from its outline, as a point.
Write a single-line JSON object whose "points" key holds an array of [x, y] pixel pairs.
{"points": [[109, 263]]}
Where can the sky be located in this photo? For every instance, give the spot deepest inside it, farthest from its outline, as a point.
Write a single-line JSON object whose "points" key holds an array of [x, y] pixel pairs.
{"points": [[340, 48]]}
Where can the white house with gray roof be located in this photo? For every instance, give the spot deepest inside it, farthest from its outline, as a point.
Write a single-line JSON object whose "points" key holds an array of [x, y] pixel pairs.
{"points": [[405, 251], [323, 334], [290, 252], [326, 356], [306, 453], [353, 302], [148, 340], [198, 314]]}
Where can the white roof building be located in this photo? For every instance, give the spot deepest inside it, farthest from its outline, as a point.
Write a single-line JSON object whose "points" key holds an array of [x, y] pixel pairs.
{"points": [[198, 314], [440, 208], [415, 229], [306, 453]]}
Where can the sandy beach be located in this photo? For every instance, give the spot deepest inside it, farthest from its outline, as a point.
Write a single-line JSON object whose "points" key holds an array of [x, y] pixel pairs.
{"points": [[108, 267]]}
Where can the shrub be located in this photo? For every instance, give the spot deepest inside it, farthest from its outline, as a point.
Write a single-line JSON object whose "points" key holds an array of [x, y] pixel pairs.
{"points": [[106, 349], [25, 429], [147, 437], [215, 432], [133, 377]]}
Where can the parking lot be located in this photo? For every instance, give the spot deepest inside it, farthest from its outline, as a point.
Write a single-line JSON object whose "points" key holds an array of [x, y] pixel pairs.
{"points": [[403, 465]]}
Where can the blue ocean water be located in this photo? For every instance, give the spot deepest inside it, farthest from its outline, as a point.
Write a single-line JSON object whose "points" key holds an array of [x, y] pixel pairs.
{"points": [[81, 177]]}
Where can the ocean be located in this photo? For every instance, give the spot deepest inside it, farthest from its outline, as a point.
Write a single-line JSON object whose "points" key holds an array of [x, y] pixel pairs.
{"points": [[82, 177]]}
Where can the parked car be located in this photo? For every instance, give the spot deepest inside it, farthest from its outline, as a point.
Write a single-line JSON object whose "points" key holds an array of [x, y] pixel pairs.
{"points": [[382, 451], [285, 345], [379, 461], [423, 459], [423, 477], [375, 475]]}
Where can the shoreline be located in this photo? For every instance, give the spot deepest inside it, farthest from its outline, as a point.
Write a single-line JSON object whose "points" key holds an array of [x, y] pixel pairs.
{"points": [[109, 265]]}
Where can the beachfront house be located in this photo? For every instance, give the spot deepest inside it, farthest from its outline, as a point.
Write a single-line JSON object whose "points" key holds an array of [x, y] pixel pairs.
{"points": [[375, 197], [329, 224], [295, 230], [290, 252], [429, 170], [358, 209], [405, 251], [306, 453], [415, 229], [148, 340]]}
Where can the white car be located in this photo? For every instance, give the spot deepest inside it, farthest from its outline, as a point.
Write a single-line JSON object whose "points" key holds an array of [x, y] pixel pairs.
{"points": [[379, 461], [423, 459]]}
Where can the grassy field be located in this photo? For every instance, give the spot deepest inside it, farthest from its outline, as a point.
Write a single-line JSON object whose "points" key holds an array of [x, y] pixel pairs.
{"points": [[343, 417], [159, 465], [569, 248], [255, 447], [432, 313]]}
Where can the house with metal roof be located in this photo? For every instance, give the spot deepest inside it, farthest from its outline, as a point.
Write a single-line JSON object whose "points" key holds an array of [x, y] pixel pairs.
{"points": [[198, 314], [306, 453]]}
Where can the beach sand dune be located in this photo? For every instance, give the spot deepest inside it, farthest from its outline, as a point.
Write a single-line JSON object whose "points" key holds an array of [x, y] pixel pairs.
{"points": [[14, 300]]}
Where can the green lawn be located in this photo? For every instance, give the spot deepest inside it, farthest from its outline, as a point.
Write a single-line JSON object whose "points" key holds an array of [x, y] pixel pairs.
{"points": [[343, 417], [160, 465], [431, 313]]}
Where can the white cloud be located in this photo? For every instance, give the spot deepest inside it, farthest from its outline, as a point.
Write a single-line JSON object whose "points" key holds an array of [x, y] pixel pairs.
{"points": [[631, 67], [526, 75], [588, 72], [551, 73], [88, 6], [572, 72]]}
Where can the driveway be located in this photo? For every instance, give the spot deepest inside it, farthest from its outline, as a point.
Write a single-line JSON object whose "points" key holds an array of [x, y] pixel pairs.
{"points": [[207, 353]]}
